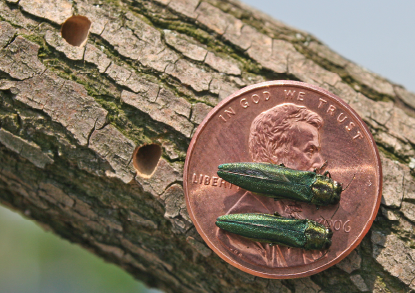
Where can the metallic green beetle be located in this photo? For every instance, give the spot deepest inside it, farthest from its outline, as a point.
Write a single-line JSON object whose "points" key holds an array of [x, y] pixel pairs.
{"points": [[273, 229], [279, 182]]}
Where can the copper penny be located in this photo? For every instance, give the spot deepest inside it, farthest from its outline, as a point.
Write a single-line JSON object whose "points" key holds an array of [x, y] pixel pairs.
{"points": [[302, 126]]}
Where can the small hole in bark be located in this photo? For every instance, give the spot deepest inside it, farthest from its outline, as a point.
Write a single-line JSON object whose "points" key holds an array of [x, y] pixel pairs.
{"points": [[146, 158], [75, 30]]}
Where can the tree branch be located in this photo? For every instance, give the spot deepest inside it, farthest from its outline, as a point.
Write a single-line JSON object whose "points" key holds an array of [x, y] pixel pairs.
{"points": [[72, 117]]}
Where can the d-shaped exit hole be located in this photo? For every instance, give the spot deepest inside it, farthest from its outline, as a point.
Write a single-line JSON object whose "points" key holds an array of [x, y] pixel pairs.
{"points": [[146, 158], [75, 30]]}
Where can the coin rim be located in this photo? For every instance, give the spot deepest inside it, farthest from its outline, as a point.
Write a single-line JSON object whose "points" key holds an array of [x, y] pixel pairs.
{"points": [[320, 91]]}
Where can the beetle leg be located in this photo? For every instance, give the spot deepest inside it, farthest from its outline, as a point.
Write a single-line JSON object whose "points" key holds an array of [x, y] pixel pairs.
{"points": [[322, 166], [327, 251], [327, 173], [325, 222]]}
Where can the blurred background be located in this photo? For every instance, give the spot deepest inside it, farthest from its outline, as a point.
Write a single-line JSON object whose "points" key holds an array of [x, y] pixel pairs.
{"points": [[35, 261], [378, 35]]}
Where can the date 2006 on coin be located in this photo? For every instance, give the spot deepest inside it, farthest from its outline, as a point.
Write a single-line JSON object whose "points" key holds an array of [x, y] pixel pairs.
{"points": [[303, 127]]}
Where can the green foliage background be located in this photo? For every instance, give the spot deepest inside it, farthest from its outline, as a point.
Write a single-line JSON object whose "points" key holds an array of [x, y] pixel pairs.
{"points": [[35, 261]]}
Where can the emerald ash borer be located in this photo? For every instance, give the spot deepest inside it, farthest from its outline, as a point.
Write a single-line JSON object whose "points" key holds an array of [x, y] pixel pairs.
{"points": [[279, 182], [274, 229]]}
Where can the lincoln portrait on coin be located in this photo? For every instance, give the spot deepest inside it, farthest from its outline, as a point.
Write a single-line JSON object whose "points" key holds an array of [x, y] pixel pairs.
{"points": [[286, 134]]}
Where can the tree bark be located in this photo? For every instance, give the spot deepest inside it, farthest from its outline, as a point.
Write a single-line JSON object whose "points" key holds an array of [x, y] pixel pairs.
{"points": [[71, 118]]}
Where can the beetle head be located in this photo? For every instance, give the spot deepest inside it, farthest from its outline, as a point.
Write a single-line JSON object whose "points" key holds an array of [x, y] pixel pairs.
{"points": [[337, 190], [318, 236], [326, 191], [327, 242]]}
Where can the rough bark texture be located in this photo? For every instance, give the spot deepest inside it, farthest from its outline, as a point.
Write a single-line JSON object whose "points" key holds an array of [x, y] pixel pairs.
{"points": [[71, 117]]}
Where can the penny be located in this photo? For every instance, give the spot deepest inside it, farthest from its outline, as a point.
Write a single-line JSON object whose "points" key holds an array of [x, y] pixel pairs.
{"points": [[302, 126]]}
